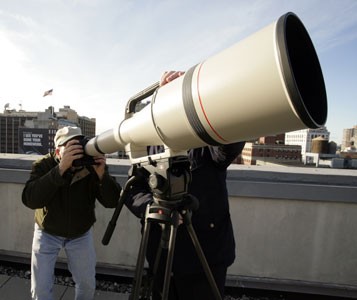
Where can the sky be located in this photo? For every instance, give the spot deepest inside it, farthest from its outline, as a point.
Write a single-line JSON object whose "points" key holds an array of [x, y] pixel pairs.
{"points": [[96, 54]]}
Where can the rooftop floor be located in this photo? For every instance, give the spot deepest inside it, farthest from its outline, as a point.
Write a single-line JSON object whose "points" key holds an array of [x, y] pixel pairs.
{"points": [[15, 288]]}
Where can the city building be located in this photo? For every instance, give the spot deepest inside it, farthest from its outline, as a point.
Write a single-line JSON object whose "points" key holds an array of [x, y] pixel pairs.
{"points": [[33, 132], [349, 136], [304, 139], [10, 122], [262, 154], [270, 150]]}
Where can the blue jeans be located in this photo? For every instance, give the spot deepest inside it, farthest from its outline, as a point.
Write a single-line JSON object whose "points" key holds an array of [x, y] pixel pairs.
{"points": [[81, 259]]}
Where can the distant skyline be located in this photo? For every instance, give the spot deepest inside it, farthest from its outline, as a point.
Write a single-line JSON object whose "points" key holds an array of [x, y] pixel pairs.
{"points": [[96, 54]]}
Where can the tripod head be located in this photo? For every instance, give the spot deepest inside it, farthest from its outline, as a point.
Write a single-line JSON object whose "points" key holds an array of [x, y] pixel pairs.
{"points": [[168, 178]]}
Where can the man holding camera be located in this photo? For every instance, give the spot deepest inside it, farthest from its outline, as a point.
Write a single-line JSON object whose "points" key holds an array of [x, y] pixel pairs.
{"points": [[63, 197]]}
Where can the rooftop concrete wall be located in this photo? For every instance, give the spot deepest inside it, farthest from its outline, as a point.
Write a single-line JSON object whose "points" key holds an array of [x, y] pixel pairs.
{"points": [[294, 227]]}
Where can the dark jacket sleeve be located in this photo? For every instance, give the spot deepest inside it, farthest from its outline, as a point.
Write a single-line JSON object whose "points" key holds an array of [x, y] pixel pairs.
{"points": [[224, 155], [220, 157], [43, 183], [108, 190], [139, 196]]}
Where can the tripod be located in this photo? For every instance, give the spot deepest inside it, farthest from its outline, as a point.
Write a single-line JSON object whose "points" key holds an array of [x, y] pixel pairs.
{"points": [[169, 182]]}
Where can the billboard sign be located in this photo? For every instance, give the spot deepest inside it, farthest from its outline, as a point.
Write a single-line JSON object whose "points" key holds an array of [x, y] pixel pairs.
{"points": [[33, 141]]}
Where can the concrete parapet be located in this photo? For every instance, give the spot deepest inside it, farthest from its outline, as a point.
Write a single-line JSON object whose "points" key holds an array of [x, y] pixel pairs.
{"points": [[294, 227]]}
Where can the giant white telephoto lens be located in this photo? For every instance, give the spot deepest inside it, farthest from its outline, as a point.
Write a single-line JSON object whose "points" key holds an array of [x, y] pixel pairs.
{"points": [[269, 83]]}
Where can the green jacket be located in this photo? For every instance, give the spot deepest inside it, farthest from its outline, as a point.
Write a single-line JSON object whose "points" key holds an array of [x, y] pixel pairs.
{"points": [[64, 205]]}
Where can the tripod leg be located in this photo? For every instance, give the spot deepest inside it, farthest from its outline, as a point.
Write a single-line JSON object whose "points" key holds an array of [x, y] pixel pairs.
{"points": [[201, 255], [164, 241], [153, 275], [170, 255], [141, 260]]}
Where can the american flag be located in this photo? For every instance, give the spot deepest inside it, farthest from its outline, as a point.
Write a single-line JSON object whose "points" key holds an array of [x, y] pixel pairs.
{"points": [[48, 93]]}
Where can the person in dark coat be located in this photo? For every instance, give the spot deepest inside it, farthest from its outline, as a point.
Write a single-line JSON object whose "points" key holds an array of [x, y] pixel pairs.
{"points": [[211, 222], [63, 197]]}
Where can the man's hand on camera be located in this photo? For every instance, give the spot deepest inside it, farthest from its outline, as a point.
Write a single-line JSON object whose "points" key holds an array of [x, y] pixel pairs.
{"points": [[169, 76], [99, 166], [68, 153]]}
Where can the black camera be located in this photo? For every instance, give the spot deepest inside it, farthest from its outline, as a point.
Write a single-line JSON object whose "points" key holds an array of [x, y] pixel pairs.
{"points": [[86, 160]]}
